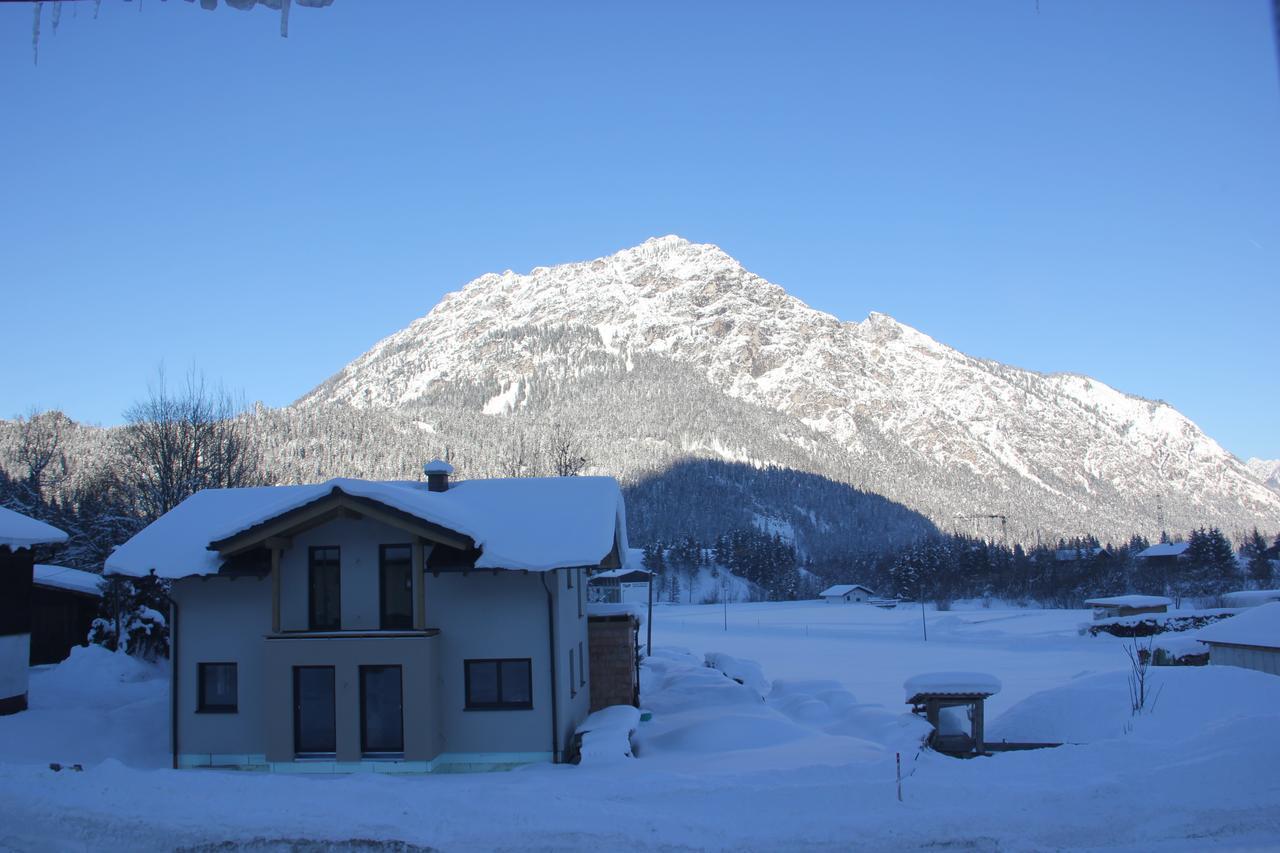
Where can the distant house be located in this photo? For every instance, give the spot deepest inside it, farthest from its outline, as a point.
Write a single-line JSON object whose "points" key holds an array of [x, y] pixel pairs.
{"points": [[361, 625], [64, 603], [1128, 605], [1250, 639], [846, 593], [626, 585], [1163, 553], [19, 536]]}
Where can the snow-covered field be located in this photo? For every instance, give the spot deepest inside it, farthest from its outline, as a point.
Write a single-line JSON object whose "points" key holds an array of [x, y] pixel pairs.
{"points": [[800, 756]]}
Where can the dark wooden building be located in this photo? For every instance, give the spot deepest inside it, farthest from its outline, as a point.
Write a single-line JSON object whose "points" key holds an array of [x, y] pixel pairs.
{"points": [[19, 535], [64, 603]]}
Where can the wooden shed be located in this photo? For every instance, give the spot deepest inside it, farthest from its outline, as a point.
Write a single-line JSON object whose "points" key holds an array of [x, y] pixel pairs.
{"points": [[64, 603], [613, 644], [1250, 640]]}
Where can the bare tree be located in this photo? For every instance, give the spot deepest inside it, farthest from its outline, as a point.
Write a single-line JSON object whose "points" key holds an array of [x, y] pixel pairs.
{"points": [[515, 462], [40, 445], [566, 455], [176, 443]]}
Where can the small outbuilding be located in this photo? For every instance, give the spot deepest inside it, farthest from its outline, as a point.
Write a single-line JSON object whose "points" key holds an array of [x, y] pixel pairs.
{"points": [[19, 535], [64, 603], [620, 586], [1128, 605], [1250, 639], [953, 703], [847, 593]]}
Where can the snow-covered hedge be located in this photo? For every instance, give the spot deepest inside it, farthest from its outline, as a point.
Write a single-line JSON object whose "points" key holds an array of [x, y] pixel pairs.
{"points": [[1150, 624]]}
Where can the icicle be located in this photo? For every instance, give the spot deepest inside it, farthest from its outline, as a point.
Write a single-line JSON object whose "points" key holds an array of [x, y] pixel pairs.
{"points": [[284, 19], [97, 4], [35, 34], [56, 15]]}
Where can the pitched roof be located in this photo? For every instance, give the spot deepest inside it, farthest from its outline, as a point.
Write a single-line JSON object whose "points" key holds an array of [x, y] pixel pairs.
{"points": [[1164, 549], [843, 589], [20, 531], [534, 524], [72, 580], [1257, 626], [952, 683]]}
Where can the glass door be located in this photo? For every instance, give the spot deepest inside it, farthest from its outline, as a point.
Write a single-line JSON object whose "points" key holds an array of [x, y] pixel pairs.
{"points": [[315, 730], [381, 711]]}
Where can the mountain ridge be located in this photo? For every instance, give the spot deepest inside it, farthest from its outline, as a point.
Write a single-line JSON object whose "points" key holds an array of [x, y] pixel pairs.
{"points": [[985, 435]]}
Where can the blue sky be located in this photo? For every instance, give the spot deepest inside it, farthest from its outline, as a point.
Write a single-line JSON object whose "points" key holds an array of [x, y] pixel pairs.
{"points": [[1086, 187]]}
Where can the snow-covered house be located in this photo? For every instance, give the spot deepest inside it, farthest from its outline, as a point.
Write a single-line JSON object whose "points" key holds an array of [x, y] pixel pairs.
{"points": [[1128, 605], [19, 536], [629, 584], [401, 626], [1163, 552], [64, 603], [1250, 639], [846, 593]]}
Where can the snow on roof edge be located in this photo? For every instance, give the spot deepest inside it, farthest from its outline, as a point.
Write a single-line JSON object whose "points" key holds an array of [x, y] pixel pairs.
{"points": [[18, 531]]}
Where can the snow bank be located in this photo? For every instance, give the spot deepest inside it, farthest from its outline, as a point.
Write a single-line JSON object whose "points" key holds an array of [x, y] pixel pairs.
{"points": [[1257, 626], [951, 682], [529, 523], [94, 706], [745, 672], [1184, 700], [1250, 597], [606, 734], [20, 531]]}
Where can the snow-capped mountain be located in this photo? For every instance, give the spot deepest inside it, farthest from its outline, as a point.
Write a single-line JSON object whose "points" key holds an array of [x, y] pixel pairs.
{"points": [[874, 403], [1266, 470]]}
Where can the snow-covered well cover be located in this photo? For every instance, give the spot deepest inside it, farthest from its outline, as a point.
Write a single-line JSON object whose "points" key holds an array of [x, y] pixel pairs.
{"points": [[20, 531], [73, 580], [531, 523], [961, 683], [1257, 626], [1131, 601]]}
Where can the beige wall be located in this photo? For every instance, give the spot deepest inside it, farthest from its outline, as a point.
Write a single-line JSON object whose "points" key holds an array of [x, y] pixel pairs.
{"points": [[1248, 657], [481, 614]]}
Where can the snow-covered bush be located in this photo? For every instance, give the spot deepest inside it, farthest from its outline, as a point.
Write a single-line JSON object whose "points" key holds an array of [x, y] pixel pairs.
{"points": [[131, 617]]}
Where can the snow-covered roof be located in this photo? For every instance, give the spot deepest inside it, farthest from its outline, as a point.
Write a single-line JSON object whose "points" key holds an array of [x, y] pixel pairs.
{"points": [[619, 573], [1250, 597], [72, 580], [20, 531], [952, 683], [1164, 549], [843, 589], [1257, 626], [533, 523], [1130, 601]]}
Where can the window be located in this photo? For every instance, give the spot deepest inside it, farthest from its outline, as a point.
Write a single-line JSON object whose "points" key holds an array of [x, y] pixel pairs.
{"points": [[581, 587], [381, 711], [325, 601], [395, 569], [573, 686], [315, 729], [582, 666], [568, 578], [217, 689], [493, 685]]}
